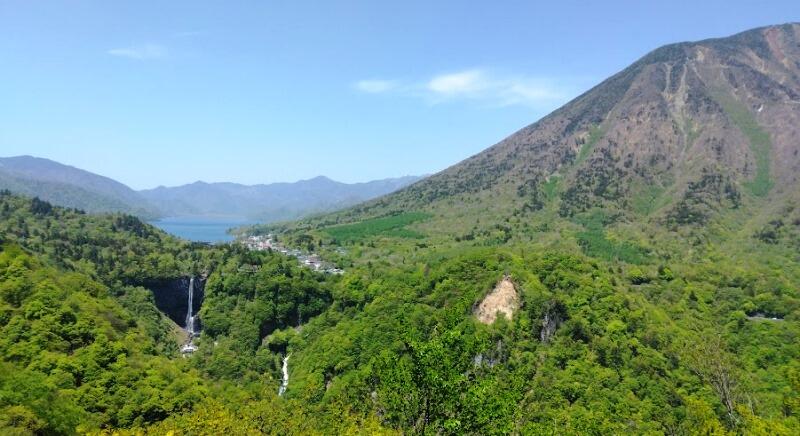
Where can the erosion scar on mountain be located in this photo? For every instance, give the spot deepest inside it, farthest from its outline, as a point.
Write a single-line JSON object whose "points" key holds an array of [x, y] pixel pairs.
{"points": [[503, 299]]}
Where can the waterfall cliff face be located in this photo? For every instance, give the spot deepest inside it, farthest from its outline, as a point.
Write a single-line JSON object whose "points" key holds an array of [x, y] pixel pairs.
{"points": [[285, 378], [172, 297]]}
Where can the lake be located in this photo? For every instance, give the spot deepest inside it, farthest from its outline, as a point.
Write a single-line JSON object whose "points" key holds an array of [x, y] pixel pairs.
{"points": [[201, 229]]}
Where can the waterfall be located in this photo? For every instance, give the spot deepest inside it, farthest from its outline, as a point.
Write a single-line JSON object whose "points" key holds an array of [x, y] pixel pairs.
{"points": [[189, 316], [189, 346], [285, 378]]}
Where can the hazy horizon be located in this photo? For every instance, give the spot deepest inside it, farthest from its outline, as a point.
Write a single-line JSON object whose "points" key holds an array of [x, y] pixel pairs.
{"points": [[224, 181]]}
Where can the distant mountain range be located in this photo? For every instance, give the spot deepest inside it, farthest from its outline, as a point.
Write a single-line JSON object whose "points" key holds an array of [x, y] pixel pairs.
{"points": [[268, 203], [68, 186]]}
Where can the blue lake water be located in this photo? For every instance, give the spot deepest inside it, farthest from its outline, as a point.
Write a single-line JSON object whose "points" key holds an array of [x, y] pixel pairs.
{"points": [[201, 229]]}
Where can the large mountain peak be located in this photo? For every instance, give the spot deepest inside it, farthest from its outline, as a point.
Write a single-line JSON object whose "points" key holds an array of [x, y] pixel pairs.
{"points": [[698, 125]]}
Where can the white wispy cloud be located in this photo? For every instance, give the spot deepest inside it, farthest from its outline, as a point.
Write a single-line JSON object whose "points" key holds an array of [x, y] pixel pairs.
{"points": [[461, 83], [478, 85], [375, 86], [140, 52]]}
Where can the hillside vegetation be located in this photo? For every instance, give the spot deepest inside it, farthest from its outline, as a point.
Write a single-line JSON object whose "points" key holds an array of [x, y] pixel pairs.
{"points": [[596, 346], [650, 235]]}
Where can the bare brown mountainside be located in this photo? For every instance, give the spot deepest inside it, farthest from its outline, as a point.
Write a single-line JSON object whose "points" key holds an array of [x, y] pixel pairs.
{"points": [[688, 129]]}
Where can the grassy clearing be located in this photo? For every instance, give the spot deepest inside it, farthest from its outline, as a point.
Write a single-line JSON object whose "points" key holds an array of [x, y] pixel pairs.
{"points": [[391, 226], [760, 143], [594, 243], [595, 133], [647, 200], [550, 186]]}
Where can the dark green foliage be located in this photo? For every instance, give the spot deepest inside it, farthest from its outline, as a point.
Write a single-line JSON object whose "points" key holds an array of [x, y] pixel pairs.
{"points": [[115, 248], [39, 207], [531, 193], [596, 185], [702, 197], [771, 232]]}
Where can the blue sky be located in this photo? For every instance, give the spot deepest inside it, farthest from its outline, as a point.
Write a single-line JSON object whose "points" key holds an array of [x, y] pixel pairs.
{"points": [[155, 92]]}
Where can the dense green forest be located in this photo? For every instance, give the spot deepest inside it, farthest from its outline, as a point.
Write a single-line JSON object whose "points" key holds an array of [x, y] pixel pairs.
{"points": [[600, 345], [84, 347]]}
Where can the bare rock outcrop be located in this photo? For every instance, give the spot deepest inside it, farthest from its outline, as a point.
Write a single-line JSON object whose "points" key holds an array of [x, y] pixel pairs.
{"points": [[503, 299]]}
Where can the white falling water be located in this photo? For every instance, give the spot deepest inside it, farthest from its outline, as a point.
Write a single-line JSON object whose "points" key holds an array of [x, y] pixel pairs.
{"points": [[285, 378], [189, 315], [189, 347]]}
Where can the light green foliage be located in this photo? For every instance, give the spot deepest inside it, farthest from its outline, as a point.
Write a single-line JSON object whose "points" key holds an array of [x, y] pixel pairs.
{"points": [[648, 199], [242, 307], [595, 134], [595, 243], [271, 416], [760, 143], [390, 226], [550, 187], [72, 357], [637, 276]]}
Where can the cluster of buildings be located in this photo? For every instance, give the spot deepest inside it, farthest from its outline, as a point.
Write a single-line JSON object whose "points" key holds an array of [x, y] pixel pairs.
{"points": [[309, 260]]}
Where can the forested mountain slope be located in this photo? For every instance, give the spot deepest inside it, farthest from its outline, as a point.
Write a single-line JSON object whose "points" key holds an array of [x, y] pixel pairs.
{"points": [[70, 187]]}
